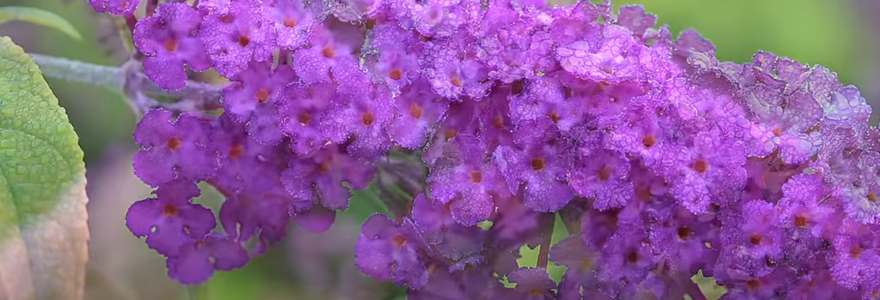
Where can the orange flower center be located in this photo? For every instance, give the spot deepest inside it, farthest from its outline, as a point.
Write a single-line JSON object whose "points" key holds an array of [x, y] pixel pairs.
{"points": [[304, 118], [236, 151], [649, 141], [262, 96], [367, 118], [398, 241], [169, 210], [171, 45], [701, 165], [395, 74], [450, 134], [538, 163], [244, 41], [415, 111], [476, 176], [755, 239], [173, 144], [328, 52], [800, 221], [456, 81]]}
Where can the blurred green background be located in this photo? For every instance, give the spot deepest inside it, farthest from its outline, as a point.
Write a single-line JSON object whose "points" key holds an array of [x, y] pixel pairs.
{"points": [[839, 34]]}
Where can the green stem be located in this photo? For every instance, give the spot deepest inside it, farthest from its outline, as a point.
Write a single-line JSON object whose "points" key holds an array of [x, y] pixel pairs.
{"points": [[197, 292], [547, 221], [80, 72], [194, 96]]}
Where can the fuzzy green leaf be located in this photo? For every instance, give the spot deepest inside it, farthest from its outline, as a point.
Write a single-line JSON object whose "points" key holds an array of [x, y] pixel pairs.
{"points": [[43, 219]]}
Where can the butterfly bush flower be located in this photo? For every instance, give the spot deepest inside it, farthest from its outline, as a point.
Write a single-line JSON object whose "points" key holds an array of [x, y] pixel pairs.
{"points": [[293, 22], [386, 250], [170, 41], [173, 148], [494, 118], [170, 220], [466, 182], [235, 36], [115, 7]]}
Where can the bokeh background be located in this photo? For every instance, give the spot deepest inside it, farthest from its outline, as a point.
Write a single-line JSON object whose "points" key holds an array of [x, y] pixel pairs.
{"points": [[843, 35]]}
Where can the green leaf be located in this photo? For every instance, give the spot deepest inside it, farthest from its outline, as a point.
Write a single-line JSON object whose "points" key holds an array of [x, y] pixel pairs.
{"points": [[39, 17], [43, 219]]}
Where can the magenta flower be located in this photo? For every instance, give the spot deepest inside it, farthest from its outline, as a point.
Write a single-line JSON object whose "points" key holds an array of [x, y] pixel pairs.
{"points": [[170, 42], [173, 149], [483, 122]]}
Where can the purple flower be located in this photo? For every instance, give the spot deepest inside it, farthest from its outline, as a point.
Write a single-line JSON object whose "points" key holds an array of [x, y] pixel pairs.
{"points": [[474, 282], [604, 105], [264, 214], [661, 160], [324, 51], [818, 285], [293, 23], [435, 18], [116, 7], [520, 49], [747, 287], [236, 37], [252, 98], [198, 259], [645, 134], [254, 87], [783, 122], [625, 259], [536, 163], [452, 71], [612, 59], [214, 7], [683, 242], [389, 251], [603, 175], [466, 181], [173, 149], [462, 119], [319, 178], [855, 257], [354, 10], [580, 273], [690, 41], [169, 40], [395, 57], [802, 206], [495, 123], [545, 97], [862, 199], [242, 158], [757, 233], [435, 223], [636, 19], [532, 283], [514, 222], [301, 108], [416, 110], [707, 172], [169, 220], [315, 219], [361, 120]]}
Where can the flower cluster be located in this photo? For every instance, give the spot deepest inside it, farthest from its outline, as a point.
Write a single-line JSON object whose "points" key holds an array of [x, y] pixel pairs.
{"points": [[661, 160]]}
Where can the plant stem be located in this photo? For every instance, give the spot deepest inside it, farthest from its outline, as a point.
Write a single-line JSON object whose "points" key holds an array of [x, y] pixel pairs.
{"points": [[693, 290], [197, 292], [80, 72], [194, 96], [546, 239]]}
